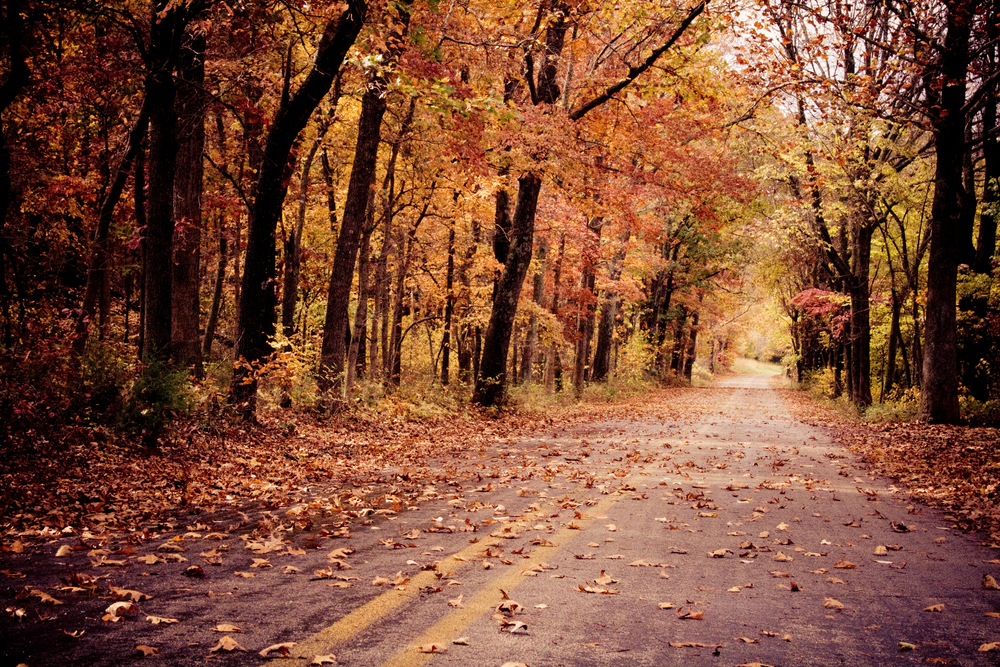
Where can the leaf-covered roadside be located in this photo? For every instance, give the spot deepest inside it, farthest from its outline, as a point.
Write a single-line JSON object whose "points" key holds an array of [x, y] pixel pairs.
{"points": [[85, 483], [953, 467]]}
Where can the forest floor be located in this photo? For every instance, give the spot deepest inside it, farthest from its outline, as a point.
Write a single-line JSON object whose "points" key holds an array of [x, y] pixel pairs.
{"points": [[225, 524]]}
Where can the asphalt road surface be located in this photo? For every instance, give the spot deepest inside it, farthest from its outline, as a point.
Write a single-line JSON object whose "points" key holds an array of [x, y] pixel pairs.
{"points": [[705, 527]]}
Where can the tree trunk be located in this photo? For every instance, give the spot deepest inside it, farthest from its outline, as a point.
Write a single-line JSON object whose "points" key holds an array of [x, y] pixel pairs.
{"points": [[692, 347], [361, 313], [293, 244], [217, 292], [97, 263], [373, 105], [609, 312], [491, 383], [158, 278], [531, 339], [585, 318], [257, 297], [18, 77], [449, 310], [939, 382], [552, 354], [186, 342], [986, 243]]}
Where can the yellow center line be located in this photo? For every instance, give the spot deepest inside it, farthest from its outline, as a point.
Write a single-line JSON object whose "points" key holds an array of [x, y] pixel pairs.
{"points": [[448, 628], [370, 612], [341, 631]]}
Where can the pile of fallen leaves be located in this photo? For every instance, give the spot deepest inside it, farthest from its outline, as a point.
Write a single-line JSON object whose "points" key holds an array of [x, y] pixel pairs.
{"points": [[96, 481], [953, 467]]}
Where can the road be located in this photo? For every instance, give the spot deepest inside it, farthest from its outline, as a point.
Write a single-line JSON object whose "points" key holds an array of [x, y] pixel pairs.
{"points": [[701, 527]]}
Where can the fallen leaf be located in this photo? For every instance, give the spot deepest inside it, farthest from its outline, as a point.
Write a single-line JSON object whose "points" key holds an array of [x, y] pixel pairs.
{"points": [[781, 557], [690, 614], [227, 644], [122, 593], [844, 564], [147, 650], [456, 602], [432, 648], [747, 640], [666, 605], [605, 579], [117, 611], [64, 551], [227, 627], [830, 603], [693, 645], [990, 582], [991, 646], [328, 659], [935, 607], [281, 649], [159, 620]]}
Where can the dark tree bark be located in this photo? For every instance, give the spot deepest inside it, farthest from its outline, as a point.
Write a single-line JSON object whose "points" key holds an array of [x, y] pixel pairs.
{"points": [[609, 312], [186, 343], [692, 347], [986, 243], [585, 318], [530, 353], [257, 296], [373, 105], [361, 313], [293, 244], [165, 34], [449, 309], [18, 76], [553, 367], [491, 383], [217, 292], [97, 262], [939, 385]]}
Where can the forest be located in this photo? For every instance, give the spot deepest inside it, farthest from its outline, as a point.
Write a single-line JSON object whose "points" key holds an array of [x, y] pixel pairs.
{"points": [[241, 208]]}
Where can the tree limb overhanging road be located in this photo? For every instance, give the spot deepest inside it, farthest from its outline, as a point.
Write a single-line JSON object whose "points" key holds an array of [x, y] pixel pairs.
{"points": [[703, 526]]}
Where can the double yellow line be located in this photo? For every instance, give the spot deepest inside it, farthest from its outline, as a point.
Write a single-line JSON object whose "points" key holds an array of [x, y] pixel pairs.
{"points": [[450, 626]]}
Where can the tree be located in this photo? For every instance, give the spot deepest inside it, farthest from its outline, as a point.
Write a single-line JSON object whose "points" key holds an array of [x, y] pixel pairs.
{"points": [[257, 295]]}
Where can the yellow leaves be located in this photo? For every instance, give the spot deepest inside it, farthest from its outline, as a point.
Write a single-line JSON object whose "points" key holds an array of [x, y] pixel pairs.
{"points": [[831, 603], [843, 564], [990, 583], [781, 557], [261, 562], [935, 607], [690, 614], [880, 550], [719, 553], [989, 647], [64, 551]]}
